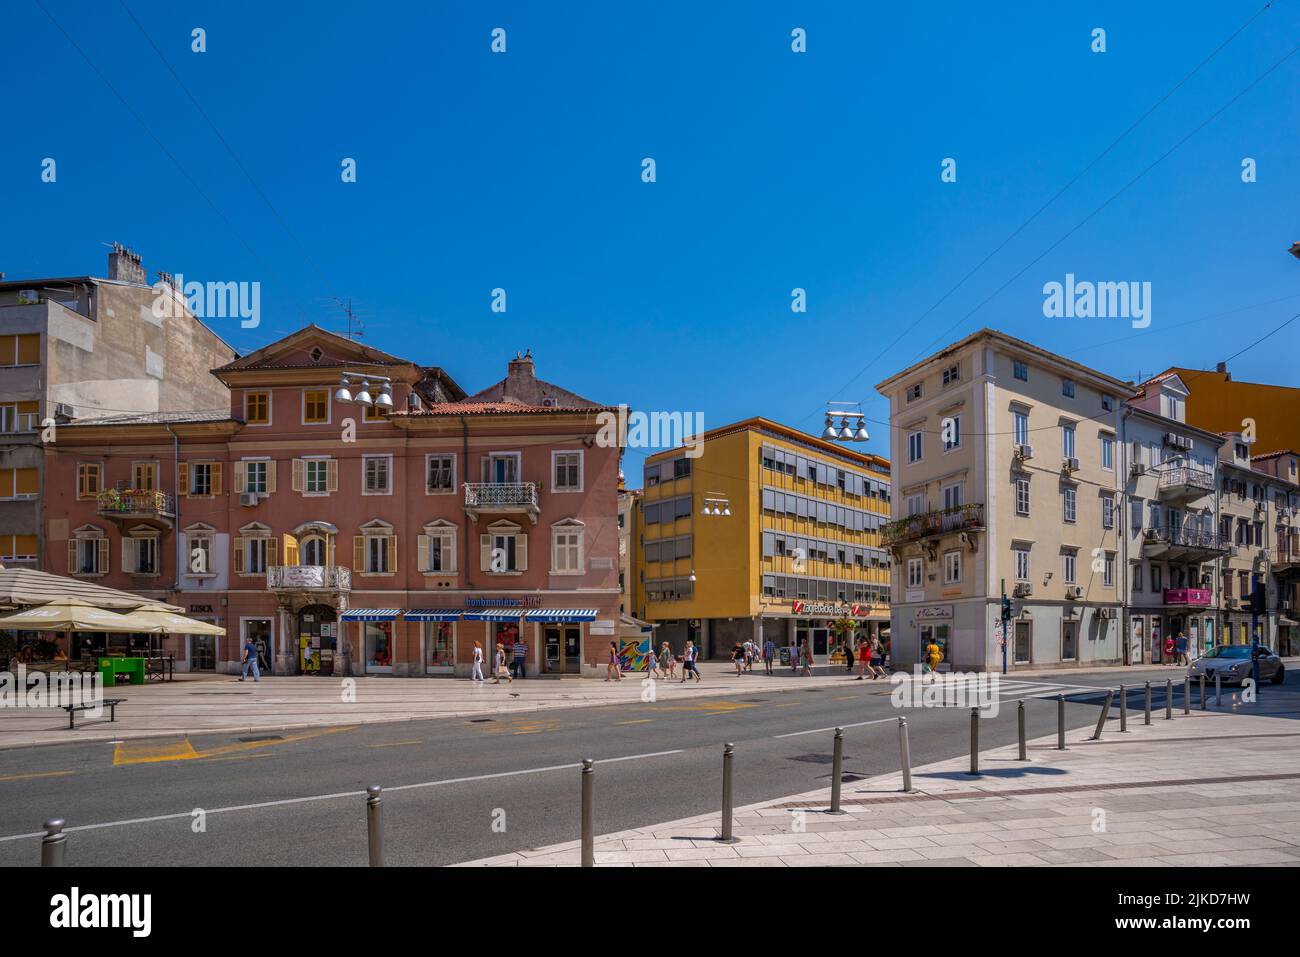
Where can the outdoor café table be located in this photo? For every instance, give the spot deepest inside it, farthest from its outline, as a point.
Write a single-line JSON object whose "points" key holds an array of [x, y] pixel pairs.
{"points": [[160, 668], [132, 668]]}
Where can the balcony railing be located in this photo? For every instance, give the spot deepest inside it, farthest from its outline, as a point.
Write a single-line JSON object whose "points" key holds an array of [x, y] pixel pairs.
{"points": [[134, 503], [501, 497], [1195, 597], [932, 524], [309, 577], [1178, 541], [1284, 557], [1185, 482]]}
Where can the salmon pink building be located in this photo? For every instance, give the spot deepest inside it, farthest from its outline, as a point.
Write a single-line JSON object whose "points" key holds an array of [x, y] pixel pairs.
{"points": [[348, 538]]}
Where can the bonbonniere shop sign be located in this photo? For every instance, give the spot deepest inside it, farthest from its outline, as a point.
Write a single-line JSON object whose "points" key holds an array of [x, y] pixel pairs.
{"points": [[529, 601]]}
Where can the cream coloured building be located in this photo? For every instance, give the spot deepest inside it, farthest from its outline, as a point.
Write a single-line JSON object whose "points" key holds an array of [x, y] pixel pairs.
{"points": [[1005, 463]]}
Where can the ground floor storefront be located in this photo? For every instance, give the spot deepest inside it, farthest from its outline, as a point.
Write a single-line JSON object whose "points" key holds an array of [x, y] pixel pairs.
{"points": [[786, 628]]}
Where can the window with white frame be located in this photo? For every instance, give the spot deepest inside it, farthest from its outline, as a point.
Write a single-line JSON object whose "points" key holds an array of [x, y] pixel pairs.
{"points": [[951, 433], [566, 548], [1108, 571], [376, 474], [1067, 388], [1021, 556], [951, 567], [1020, 427], [1107, 453], [440, 473], [915, 503], [256, 476], [198, 551], [374, 551], [1069, 502], [566, 469], [503, 549], [88, 551], [954, 495], [951, 374], [200, 479], [1068, 563], [1022, 496], [316, 476], [437, 548], [1067, 441], [914, 573], [914, 446], [254, 549], [913, 392], [1107, 511], [1020, 370], [140, 552]]}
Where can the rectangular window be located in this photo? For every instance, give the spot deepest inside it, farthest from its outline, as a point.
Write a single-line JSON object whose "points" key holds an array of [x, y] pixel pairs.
{"points": [[1020, 370], [1107, 453], [1068, 570], [913, 392], [315, 406], [1067, 388], [1108, 571], [1022, 563], [144, 476], [952, 433], [442, 551], [1107, 512], [566, 556], [440, 472], [916, 503], [316, 476], [1020, 427], [200, 478], [375, 474], [257, 408], [951, 374], [20, 350], [255, 553], [19, 416], [1069, 499], [377, 548], [1022, 496], [914, 573], [89, 479], [952, 495], [568, 471], [1067, 441], [914, 448], [18, 483], [951, 567], [255, 477]]}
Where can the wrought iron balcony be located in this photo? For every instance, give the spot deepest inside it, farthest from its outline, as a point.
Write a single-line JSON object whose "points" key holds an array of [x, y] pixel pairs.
{"points": [[148, 505], [1182, 543], [1183, 484], [932, 524], [501, 497], [308, 578], [1282, 557]]}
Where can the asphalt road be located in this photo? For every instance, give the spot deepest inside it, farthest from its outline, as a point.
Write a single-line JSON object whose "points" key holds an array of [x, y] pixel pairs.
{"points": [[465, 788]]}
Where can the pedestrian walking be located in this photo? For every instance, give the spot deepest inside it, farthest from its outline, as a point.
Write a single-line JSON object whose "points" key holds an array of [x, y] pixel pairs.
{"points": [[1169, 650], [848, 654], [1180, 649], [250, 660], [864, 657], [477, 673], [769, 654], [667, 661], [738, 657], [877, 662], [520, 659], [651, 662], [614, 668], [688, 662], [806, 656], [933, 656], [500, 670], [796, 657]]}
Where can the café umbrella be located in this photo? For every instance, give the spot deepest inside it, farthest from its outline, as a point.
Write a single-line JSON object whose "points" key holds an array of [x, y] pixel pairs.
{"points": [[170, 623], [74, 615]]}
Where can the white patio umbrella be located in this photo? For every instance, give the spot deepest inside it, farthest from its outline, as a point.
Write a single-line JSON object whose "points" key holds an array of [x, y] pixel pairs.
{"points": [[170, 623], [72, 614]]}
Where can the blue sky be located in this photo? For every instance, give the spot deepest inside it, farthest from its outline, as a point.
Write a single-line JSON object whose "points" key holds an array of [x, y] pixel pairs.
{"points": [[775, 170]]}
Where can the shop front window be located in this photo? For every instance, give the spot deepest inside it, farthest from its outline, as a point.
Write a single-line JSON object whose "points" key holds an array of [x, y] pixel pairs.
{"points": [[379, 645], [439, 647]]}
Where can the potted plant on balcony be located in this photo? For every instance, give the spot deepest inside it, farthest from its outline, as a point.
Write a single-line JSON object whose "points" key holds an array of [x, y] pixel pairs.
{"points": [[970, 516]]}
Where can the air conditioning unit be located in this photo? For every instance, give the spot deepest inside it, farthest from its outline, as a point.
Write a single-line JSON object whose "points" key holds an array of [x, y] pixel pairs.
{"points": [[1023, 590], [1106, 612], [1070, 465], [1137, 468], [1024, 452], [1229, 603], [65, 409], [248, 499], [1074, 591]]}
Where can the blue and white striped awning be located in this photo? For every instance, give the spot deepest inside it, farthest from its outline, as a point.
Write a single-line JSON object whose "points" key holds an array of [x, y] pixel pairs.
{"points": [[370, 614], [433, 614], [493, 614], [560, 614]]}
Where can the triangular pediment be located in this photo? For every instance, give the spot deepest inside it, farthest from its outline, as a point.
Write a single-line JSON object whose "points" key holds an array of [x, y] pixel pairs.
{"points": [[312, 347]]}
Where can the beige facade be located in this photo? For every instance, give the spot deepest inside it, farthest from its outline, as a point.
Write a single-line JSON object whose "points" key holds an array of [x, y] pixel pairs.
{"points": [[1004, 475]]}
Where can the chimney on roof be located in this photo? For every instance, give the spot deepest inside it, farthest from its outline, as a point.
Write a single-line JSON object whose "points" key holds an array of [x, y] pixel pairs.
{"points": [[1222, 368], [124, 265], [521, 376]]}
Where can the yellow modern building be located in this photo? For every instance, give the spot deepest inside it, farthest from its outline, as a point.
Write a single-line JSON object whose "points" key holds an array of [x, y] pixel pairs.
{"points": [[760, 531]]}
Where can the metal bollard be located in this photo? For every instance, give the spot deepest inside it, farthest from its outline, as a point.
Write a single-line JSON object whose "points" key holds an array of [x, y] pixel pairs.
{"points": [[1169, 699], [905, 755], [374, 824], [1146, 707], [728, 751], [588, 813], [1202, 692], [53, 844], [1060, 722], [1020, 720], [1218, 691], [837, 771], [974, 740], [1187, 694], [1123, 709], [1105, 713]]}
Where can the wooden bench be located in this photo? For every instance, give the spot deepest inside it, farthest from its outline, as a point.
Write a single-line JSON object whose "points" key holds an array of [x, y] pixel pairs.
{"points": [[112, 709]]}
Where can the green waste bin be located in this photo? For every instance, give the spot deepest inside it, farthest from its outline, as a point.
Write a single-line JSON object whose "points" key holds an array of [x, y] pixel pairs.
{"points": [[132, 670]]}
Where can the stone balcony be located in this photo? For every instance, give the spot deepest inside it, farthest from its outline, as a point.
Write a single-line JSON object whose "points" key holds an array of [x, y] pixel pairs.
{"points": [[137, 505], [932, 524], [1184, 484], [309, 578], [1181, 543]]}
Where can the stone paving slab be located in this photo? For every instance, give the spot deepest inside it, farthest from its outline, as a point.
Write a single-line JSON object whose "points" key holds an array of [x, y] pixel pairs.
{"points": [[1138, 799]]}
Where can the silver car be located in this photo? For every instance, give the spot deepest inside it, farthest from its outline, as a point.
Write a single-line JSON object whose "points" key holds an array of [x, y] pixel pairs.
{"points": [[1232, 663]]}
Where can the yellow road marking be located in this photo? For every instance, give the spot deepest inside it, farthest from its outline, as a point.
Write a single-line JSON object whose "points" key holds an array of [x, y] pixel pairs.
{"points": [[36, 774], [538, 731], [711, 707], [637, 721], [239, 757], [393, 744], [143, 752], [845, 697], [790, 704]]}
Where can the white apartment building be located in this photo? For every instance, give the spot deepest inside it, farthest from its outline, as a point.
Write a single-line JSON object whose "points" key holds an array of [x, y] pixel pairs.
{"points": [[1005, 460]]}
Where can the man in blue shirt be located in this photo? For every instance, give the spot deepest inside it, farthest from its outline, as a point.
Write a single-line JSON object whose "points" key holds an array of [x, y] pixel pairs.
{"points": [[520, 655], [250, 660], [769, 653]]}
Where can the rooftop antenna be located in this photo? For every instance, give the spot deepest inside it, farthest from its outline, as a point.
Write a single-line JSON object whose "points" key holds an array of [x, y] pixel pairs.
{"points": [[356, 328]]}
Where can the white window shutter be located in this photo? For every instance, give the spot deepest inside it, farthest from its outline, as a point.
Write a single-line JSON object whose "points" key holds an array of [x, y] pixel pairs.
{"points": [[422, 552], [521, 552], [485, 553], [128, 554]]}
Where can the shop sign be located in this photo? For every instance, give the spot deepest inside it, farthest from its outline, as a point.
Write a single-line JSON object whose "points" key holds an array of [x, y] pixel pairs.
{"points": [[530, 601], [826, 608], [934, 613]]}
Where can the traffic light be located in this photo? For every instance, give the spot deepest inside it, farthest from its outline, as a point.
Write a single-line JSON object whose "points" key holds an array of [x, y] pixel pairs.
{"points": [[1006, 608], [1258, 599]]}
